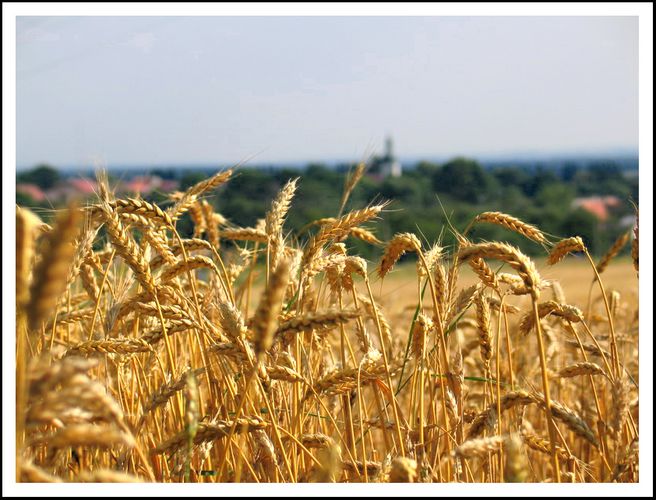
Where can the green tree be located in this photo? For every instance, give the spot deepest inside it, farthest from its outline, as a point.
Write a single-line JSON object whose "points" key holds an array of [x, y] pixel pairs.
{"points": [[44, 176], [555, 194], [403, 189], [464, 180], [581, 223], [569, 172], [538, 180], [165, 173], [511, 176]]}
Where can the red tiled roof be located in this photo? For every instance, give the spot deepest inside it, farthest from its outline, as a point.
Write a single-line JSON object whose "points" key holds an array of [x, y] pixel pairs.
{"points": [[32, 190], [598, 205], [84, 186], [612, 201], [168, 185]]}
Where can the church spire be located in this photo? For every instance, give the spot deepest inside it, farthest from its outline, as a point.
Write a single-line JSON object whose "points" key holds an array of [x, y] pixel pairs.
{"points": [[391, 165], [389, 148]]}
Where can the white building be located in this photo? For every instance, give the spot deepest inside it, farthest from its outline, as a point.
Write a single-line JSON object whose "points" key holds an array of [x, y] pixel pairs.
{"points": [[388, 164]]}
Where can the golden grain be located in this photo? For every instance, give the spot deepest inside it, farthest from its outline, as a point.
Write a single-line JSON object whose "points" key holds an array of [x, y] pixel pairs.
{"points": [[127, 309]]}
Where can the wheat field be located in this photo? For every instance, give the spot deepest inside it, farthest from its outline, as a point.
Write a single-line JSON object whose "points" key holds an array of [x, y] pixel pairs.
{"points": [[250, 354]]}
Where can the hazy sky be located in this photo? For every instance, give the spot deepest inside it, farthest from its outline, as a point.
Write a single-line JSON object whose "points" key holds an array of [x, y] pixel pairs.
{"points": [[157, 90]]}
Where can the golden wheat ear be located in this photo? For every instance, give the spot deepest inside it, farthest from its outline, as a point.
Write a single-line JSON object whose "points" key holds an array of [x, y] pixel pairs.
{"points": [[51, 272], [189, 197], [403, 470], [563, 247], [516, 469], [265, 319], [401, 243], [27, 224], [510, 255], [339, 228], [513, 224], [350, 182], [612, 252]]}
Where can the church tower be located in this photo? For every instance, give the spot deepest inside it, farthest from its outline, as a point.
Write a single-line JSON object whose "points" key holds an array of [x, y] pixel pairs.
{"points": [[390, 164]]}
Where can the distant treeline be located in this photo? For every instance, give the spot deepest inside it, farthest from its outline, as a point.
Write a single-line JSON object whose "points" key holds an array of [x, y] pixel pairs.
{"points": [[428, 199]]}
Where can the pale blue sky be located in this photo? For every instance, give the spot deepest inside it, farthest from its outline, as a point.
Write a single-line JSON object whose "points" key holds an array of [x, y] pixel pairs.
{"points": [[161, 90]]}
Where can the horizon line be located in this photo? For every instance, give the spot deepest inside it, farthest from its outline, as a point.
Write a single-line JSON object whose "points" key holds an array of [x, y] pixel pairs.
{"points": [[527, 155]]}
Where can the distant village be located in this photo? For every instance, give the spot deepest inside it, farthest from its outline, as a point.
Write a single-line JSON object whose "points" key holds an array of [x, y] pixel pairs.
{"points": [[145, 185], [86, 187]]}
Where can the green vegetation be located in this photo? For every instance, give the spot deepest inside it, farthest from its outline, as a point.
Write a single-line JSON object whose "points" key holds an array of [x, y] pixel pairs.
{"points": [[426, 197], [42, 176]]}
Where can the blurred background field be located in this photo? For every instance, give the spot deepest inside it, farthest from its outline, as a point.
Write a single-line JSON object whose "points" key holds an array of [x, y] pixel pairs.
{"points": [[399, 287], [574, 274]]}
